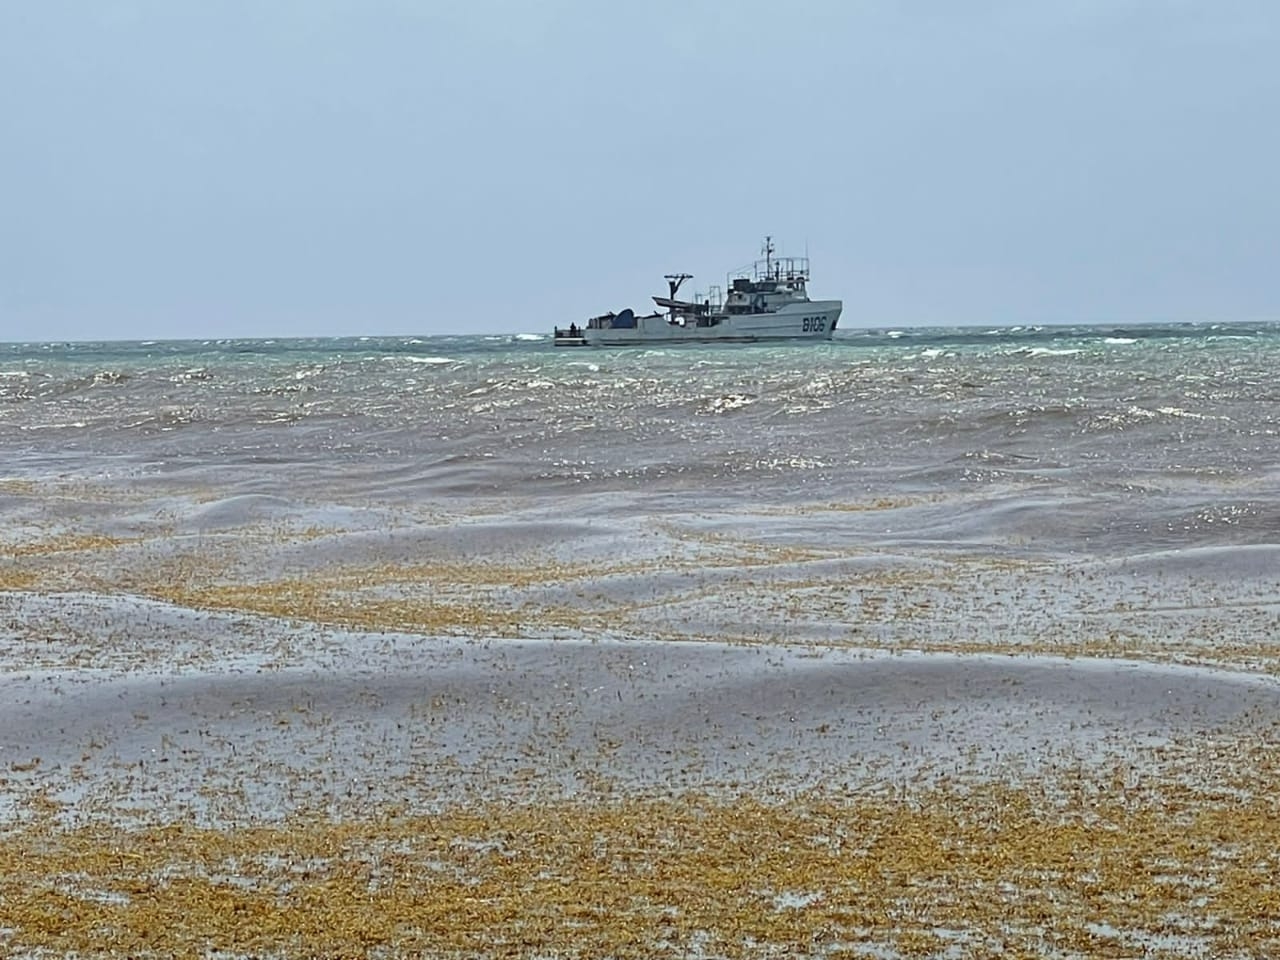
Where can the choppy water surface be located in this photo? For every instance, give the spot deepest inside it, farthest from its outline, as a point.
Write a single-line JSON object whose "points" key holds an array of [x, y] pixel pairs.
{"points": [[1085, 438]]}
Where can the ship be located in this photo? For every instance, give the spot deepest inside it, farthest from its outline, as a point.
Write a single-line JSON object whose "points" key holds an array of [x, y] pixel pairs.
{"points": [[768, 300]]}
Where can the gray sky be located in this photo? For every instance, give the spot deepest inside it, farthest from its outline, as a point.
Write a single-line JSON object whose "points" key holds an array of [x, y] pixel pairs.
{"points": [[315, 167]]}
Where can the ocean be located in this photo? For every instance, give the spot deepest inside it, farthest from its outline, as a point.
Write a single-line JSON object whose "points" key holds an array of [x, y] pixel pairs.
{"points": [[920, 642], [1083, 439]]}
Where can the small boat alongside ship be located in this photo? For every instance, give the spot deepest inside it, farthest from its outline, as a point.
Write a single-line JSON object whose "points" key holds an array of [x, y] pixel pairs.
{"points": [[768, 300]]}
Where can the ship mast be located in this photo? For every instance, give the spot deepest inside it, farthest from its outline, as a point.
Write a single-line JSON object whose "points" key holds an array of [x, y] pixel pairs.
{"points": [[768, 253], [674, 280], [673, 284]]}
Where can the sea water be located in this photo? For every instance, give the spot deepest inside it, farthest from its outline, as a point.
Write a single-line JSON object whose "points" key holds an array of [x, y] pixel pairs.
{"points": [[1092, 440]]}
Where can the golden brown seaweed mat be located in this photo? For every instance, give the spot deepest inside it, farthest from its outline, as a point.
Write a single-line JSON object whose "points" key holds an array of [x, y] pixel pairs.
{"points": [[1077, 870]]}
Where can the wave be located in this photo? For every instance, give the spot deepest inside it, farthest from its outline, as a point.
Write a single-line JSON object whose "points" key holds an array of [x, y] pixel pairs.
{"points": [[69, 425], [1050, 351], [1055, 335]]}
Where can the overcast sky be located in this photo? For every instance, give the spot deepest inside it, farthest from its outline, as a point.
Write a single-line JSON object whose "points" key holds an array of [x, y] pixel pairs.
{"points": [[316, 167]]}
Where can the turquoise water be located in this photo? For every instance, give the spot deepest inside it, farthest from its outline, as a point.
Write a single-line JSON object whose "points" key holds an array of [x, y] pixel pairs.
{"points": [[969, 340]]}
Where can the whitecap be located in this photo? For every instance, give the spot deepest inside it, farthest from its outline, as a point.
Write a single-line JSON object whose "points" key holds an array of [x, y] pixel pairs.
{"points": [[1050, 352], [1120, 340], [1186, 414], [530, 336], [733, 401], [194, 373], [436, 360]]}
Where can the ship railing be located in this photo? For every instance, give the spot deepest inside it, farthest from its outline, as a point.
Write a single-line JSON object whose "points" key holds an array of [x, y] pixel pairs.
{"points": [[773, 268], [713, 298]]}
